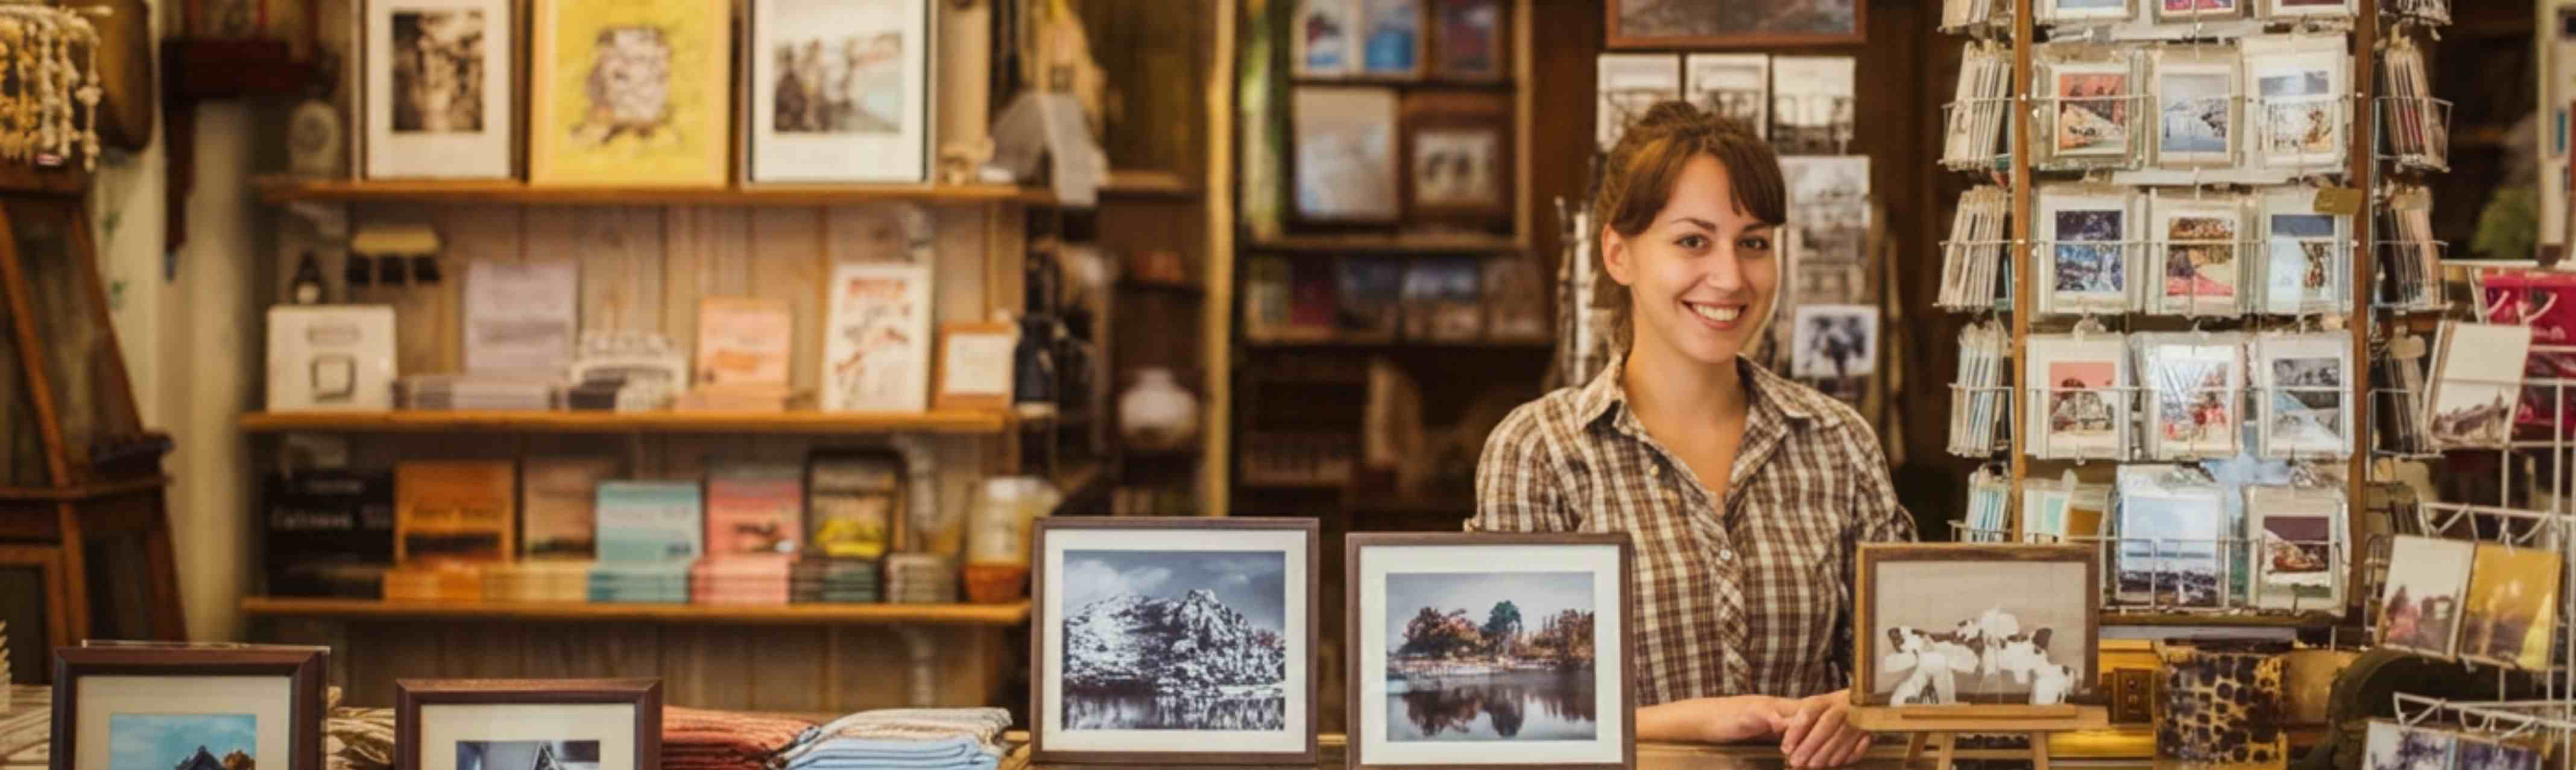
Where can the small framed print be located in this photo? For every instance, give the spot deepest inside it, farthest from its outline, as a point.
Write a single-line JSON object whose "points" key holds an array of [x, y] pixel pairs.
{"points": [[1478, 650], [974, 367], [155, 705], [2084, 11], [1945, 623], [1116, 597], [1457, 158], [1323, 45], [2290, 9], [1344, 161], [438, 101], [839, 91], [2198, 10], [516, 724], [1468, 39]]}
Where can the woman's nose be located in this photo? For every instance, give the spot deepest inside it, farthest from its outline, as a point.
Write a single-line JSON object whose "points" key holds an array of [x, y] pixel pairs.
{"points": [[1725, 271]]}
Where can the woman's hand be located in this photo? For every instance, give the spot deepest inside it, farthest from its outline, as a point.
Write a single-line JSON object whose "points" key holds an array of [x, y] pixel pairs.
{"points": [[1819, 732], [1730, 719]]}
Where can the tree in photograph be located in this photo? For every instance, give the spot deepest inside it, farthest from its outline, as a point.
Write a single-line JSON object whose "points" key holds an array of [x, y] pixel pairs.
{"points": [[1565, 638], [1432, 634], [1503, 627]]}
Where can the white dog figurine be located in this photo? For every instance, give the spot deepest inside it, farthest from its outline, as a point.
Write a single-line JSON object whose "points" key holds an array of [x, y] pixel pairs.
{"points": [[2026, 658], [1931, 665]]}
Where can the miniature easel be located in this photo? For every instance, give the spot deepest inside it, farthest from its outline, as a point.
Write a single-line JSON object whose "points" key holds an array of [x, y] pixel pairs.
{"points": [[1943, 724]]}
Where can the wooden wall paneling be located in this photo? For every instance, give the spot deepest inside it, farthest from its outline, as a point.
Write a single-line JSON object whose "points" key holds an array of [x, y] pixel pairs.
{"points": [[382, 653], [426, 318], [799, 672], [704, 249], [479, 232], [1559, 156], [489, 651], [862, 657], [711, 666], [786, 249], [317, 632], [960, 241], [620, 248], [877, 232], [588, 650]]}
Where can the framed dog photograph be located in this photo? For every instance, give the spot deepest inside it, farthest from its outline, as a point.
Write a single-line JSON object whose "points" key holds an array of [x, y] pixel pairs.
{"points": [[1947, 623], [1121, 602], [520, 724], [438, 100], [1490, 650], [154, 705], [1457, 158]]}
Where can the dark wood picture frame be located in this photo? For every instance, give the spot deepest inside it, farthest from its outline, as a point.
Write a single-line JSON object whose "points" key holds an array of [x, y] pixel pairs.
{"points": [[940, 397], [48, 564], [2080, 689], [1498, 42], [1470, 111], [304, 668], [1355, 548], [1620, 40], [411, 694], [1041, 620]]}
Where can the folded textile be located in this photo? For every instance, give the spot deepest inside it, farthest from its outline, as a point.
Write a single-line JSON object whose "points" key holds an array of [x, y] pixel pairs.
{"points": [[923, 739], [697, 739]]}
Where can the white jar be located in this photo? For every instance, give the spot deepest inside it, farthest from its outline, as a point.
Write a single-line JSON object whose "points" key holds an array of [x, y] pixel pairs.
{"points": [[1156, 413]]}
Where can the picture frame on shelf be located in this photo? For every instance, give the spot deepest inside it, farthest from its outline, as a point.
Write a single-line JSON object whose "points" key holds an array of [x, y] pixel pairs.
{"points": [[1625, 86], [1325, 39], [1553, 593], [1747, 24], [838, 91], [663, 116], [439, 98], [1104, 589], [876, 338], [1391, 39], [1470, 40], [1949, 623], [1736, 85], [2190, 11], [151, 699], [974, 365], [1345, 164], [1457, 158], [488, 724], [2300, 9]]}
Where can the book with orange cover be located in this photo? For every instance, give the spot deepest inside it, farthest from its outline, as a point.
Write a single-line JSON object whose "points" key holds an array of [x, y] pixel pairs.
{"points": [[462, 510]]}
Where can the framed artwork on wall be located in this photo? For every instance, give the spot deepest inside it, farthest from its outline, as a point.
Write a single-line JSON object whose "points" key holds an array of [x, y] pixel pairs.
{"points": [[1470, 39], [507, 724], [974, 366], [839, 91], [438, 100], [876, 340], [1344, 158], [630, 93], [151, 704], [1115, 597], [1735, 23], [1457, 158]]}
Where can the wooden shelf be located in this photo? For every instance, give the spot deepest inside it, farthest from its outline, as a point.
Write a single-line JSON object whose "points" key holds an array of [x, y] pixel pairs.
{"points": [[1402, 82], [771, 614], [809, 423], [286, 189], [1399, 344], [1390, 244], [1164, 287], [2218, 621], [1147, 184]]}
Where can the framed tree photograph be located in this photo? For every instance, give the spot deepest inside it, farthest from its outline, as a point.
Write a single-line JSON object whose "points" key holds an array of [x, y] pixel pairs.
{"points": [[438, 99], [839, 91], [1479, 650], [1735, 23], [1946, 623], [1457, 158], [1118, 600], [525, 724], [157, 705]]}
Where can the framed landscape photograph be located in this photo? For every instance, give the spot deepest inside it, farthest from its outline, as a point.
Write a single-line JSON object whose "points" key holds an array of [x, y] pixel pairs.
{"points": [[1490, 650], [438, 95], [1120, 601], [2170, 531], [155, 705], [839, 91], [1735, 23], [527, 724], [1948, 623], [1457, 157], [630, 93]]}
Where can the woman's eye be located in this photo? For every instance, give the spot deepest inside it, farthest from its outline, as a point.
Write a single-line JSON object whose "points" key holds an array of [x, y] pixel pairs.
{"points": [[1754, 243], [1693, 242]]}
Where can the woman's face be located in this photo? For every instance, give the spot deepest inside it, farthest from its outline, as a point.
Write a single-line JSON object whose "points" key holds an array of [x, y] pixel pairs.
{"points": [[1701, 277]]}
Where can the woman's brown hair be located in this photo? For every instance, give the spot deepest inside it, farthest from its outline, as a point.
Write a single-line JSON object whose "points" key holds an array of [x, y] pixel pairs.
{"points": [[1637, 179]]}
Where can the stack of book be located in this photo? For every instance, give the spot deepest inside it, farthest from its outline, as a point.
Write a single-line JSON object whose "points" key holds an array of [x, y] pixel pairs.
{"points": [[476, 392], [650, 533], [743, 348], [825, 579], [755, 517], [435, 581], [921, 578], [741, 580], [330, 532], [451, 517], [548, 580]]}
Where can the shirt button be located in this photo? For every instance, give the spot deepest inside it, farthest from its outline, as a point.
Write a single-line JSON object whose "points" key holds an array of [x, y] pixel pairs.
{"points": [[1726, 554], [1654, 471]]}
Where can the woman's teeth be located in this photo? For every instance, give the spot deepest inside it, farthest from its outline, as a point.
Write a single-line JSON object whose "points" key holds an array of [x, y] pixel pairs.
{"points": [[1717, 313]]}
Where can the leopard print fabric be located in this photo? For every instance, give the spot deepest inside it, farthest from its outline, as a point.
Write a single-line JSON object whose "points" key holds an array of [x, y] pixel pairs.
{"points": [[2220, 709]]}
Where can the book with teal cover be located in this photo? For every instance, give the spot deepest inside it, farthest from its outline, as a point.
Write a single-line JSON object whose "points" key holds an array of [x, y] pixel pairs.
{"points": [[651, 521]]}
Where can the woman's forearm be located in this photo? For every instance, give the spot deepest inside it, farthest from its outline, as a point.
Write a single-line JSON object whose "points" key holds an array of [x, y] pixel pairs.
{"points": [[1714, 720], [1670, 722]]}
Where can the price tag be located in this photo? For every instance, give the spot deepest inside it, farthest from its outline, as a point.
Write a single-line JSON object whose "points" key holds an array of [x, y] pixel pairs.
{"points": [[2339, 200]]}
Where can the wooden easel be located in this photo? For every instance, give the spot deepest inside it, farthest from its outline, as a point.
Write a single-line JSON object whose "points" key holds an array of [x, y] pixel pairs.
{"points": [[1940, 726]]}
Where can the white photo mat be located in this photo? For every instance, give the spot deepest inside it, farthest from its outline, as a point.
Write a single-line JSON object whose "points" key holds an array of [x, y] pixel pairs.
{"points": [[1292, 543], [874, 301], [442, 725], [270, 700], [484, 152], [1368, 727], [900, 155]]}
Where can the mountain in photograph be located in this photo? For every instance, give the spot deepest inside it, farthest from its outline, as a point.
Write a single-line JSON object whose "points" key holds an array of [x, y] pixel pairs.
{"points": [[1189, 645]]}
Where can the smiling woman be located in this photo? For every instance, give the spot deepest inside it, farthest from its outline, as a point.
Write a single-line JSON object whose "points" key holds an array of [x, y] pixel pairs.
{"points": [[1746, 494]]}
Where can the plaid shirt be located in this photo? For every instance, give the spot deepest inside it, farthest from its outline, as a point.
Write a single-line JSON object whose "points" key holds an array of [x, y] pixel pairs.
{"points": [[1749, 595]]}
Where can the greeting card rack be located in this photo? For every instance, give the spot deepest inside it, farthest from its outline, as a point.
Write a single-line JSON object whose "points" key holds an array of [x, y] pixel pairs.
{"points": [[2532, 705]]}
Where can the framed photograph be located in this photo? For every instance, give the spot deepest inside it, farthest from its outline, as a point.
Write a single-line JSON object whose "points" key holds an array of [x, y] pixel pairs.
{"points": [[975, 361], [2198, 238], [2290, 9], [1833, 342], [2477, 379], [2392, 745], [1812, 104], [1627, 85], [1345, 156], [1324, 44], [1490, 650], [1945, 623], [2299, 86], [2170, 532], [1469, 39], [1736, 85], [527, 724], [630, 93], [2198, 10], [2197, 115], [2508, 618], [2062, 11], [876, 338], [438, 94], [1119, 599], [2298, 547], [2088, 231], [1457, 157], [2419, 602], [1735, 24], [839, 91], [154, 705], [1390, 38]]}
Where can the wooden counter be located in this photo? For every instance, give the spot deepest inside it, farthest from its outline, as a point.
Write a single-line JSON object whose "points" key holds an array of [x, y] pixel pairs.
{"points": [[1887, 755]]}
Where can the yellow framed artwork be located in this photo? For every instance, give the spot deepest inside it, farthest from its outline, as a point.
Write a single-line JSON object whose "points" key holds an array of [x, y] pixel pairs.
{"points": [[633, 92]]}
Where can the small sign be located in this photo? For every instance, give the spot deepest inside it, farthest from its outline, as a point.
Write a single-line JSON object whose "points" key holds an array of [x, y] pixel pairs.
{"points": [[2339, 200]]}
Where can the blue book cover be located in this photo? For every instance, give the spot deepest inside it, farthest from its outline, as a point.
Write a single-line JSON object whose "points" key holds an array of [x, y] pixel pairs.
{"points": [[651, 521]]}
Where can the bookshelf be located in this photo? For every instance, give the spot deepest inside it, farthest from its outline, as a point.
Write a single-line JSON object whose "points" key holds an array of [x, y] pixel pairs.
{"points": [[605, 612], [512, 192], [952, 422]]}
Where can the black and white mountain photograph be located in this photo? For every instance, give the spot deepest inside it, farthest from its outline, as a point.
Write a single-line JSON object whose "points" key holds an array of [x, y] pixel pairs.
{"points": [[1174, 640]]}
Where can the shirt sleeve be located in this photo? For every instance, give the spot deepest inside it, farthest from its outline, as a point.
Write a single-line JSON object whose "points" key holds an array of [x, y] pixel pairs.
{"points": [[1517, 479]]}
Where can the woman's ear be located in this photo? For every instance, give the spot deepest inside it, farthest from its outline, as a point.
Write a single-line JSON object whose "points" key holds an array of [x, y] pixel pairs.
{"points": [[1614, 257]]}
